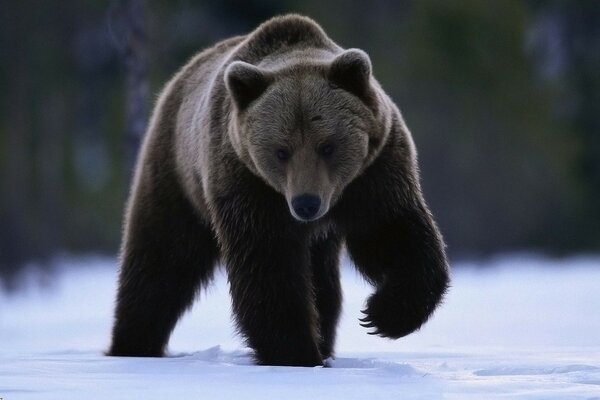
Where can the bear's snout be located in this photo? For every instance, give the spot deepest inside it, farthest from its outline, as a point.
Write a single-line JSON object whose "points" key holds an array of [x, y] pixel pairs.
{"points": [[306, 206]]}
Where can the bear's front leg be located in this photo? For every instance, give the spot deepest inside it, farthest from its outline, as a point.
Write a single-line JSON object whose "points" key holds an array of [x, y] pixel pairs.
{"points": [[273, 307], [268, 264], [325, 251], [403, 257]]}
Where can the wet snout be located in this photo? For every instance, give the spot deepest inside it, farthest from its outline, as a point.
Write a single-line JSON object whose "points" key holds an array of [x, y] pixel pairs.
{"points": [[306, 206]]}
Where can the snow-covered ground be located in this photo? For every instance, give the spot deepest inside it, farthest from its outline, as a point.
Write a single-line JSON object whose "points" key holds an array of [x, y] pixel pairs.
{"points": [[521, 327]]}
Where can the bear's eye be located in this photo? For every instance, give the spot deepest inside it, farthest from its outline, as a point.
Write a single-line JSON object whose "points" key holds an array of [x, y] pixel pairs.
{"points": [[282, 155], [327, 150]]}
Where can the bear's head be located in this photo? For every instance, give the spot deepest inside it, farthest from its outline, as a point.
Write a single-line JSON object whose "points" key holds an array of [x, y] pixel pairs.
{"points": [[307, 129]]}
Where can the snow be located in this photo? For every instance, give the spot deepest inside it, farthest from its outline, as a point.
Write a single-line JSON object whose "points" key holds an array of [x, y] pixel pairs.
{"points": [[516, 327]]}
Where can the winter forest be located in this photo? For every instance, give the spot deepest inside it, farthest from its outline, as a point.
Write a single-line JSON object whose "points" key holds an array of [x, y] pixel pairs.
{"points": [[503, 102]]}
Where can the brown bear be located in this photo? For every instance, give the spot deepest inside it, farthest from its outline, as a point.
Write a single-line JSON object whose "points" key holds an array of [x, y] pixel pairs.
{"points": [[267, 152]]}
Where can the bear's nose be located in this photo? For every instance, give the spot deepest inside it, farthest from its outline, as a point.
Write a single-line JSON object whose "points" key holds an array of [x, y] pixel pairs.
{"points": [[306, 206]]}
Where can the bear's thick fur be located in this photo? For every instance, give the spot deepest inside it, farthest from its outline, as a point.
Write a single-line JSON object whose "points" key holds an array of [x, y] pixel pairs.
{"points": [[267, 152]]}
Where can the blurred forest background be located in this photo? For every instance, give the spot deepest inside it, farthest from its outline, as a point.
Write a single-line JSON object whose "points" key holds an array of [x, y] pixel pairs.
{"points": [[502, 97]]}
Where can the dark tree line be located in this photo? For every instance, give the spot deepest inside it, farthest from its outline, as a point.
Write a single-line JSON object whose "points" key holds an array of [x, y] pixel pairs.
{"points": [[131, 34], [503, 100]]}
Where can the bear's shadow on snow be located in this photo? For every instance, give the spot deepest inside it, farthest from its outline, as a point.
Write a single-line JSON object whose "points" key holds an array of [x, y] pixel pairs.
{"points": [[244, 358]]}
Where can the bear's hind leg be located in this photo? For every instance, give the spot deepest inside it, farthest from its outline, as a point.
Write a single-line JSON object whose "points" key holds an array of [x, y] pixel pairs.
{"points": [[167, 255], [325, 253]]}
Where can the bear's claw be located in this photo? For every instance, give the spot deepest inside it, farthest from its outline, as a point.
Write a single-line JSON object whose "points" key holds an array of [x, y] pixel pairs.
{"points": [[366, 322], [369, 325]]}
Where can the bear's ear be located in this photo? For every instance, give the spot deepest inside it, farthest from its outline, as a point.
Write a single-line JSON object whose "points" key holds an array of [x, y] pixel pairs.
{"points": [[351, 71], [245, 83]]}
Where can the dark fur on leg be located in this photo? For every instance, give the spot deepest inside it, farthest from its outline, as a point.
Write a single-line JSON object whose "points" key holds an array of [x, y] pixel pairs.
{"points": [[168, 255], [268, 264], [394, 242], [325, 253], [273, 311], [405, 260]]}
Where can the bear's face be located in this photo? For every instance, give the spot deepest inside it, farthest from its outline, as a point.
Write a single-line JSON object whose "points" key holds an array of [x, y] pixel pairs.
{"points": [[304, 130]]}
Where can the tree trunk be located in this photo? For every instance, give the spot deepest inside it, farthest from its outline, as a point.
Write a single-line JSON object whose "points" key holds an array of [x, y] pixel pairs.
{"points": [[130, 26]]}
